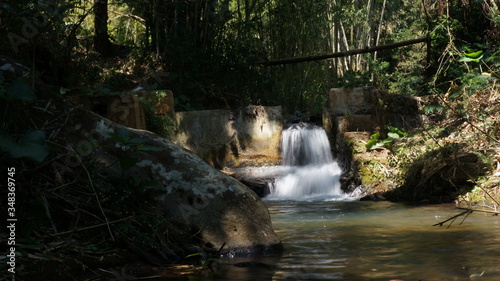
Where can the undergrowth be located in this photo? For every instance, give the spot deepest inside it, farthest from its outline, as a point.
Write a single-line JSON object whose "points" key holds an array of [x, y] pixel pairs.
{"points": [[456, 151]]}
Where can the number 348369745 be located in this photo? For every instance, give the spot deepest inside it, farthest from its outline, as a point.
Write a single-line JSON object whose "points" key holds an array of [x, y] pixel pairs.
{"points": [[11, 185]]}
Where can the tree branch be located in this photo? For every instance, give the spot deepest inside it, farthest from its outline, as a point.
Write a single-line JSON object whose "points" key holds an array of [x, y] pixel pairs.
{"points": [[452, 219], [344, 54], [127, 15], [107, 223], [467, 212]]}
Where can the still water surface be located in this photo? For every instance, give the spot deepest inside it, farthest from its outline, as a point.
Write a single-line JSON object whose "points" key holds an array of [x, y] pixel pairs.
{"points": [[338, 240]]}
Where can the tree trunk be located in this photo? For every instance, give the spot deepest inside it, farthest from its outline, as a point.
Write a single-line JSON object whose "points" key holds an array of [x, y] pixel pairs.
{"points": [[101, 40]]}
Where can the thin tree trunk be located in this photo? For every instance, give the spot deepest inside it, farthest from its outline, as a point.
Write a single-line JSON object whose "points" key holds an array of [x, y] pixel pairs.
{"points": [[101, 40], [379, 29]]}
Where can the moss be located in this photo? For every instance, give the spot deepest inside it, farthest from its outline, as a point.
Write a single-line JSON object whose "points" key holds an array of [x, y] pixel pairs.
{"points": [[369, 174], [356, 146]]}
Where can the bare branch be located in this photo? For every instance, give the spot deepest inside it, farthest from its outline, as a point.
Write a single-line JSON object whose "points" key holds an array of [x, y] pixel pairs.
{"points": [[346, 53]]}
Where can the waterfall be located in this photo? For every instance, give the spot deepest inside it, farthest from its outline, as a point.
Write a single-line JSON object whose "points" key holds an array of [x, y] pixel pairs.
{"points": [[308, 165]]}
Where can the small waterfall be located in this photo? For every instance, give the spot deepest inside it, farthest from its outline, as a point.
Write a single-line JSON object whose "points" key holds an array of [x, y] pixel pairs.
{"points": [[309, 168]]}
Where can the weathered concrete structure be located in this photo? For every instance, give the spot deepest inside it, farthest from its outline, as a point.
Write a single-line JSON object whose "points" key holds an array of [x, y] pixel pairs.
{"points": [[250, 136], [351, 101], [353, 115], [126, 108]]}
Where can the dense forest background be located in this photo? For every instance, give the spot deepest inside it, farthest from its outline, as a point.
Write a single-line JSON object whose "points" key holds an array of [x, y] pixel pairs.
{"points": [[208, 51], [212, 54]]}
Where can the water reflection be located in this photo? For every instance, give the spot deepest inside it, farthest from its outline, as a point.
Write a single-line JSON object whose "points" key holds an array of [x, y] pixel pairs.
{"points": [[383, 241], [327, 240]]}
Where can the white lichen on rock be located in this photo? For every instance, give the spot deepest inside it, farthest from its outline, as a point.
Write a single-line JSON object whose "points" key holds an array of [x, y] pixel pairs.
{"points": [[166, 178], [103, 129]]}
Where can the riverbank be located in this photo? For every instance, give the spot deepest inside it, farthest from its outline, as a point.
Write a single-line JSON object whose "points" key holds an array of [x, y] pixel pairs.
{"points": [[453, 155]]}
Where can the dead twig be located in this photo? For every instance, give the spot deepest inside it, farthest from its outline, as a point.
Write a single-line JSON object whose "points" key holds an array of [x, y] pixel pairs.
{"points": [[95, 193], [452, 219], [495, 213], [107, 223], [47, 213], [465, 213]]}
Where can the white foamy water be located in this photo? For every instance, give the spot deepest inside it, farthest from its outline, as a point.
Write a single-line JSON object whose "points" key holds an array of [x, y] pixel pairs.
{"points": [[308, 169]]}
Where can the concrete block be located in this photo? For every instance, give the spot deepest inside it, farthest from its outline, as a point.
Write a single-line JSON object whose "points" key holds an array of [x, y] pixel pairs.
{"points": [[250, 136], [352, 101]]}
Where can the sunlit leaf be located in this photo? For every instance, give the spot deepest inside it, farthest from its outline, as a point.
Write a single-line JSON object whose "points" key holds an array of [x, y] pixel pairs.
{"points": [[387, 140], [467, 59], [376, 146], [474, 55], [393, 135]]}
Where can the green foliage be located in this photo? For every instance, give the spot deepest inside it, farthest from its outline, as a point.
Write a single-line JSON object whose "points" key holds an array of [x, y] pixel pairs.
{"points": [[162, 125], [352, 79], [433, 108], [32, 144], [132, 144], [472, 57], [393, 134], [17, 90], [206, 262]]}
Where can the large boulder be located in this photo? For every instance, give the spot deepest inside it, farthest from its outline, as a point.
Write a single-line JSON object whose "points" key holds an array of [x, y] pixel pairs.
{"points": [[214, 206], [205, 207]]}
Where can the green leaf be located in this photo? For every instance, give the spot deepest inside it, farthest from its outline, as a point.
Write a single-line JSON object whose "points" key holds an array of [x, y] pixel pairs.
{"points": [[63, 90], [397, 131], [20, 90], [194, 255], [393, 135], [431, 108], [375, 136], [127, 162], [376, 146], [466, 59], [387, 140], [373, 141], [33, 137], [474, 55], [123, 133], [30, 146]]}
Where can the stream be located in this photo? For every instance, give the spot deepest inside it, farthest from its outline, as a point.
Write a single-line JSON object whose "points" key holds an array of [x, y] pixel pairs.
{"points": [[328, 235], [339, 240]]}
